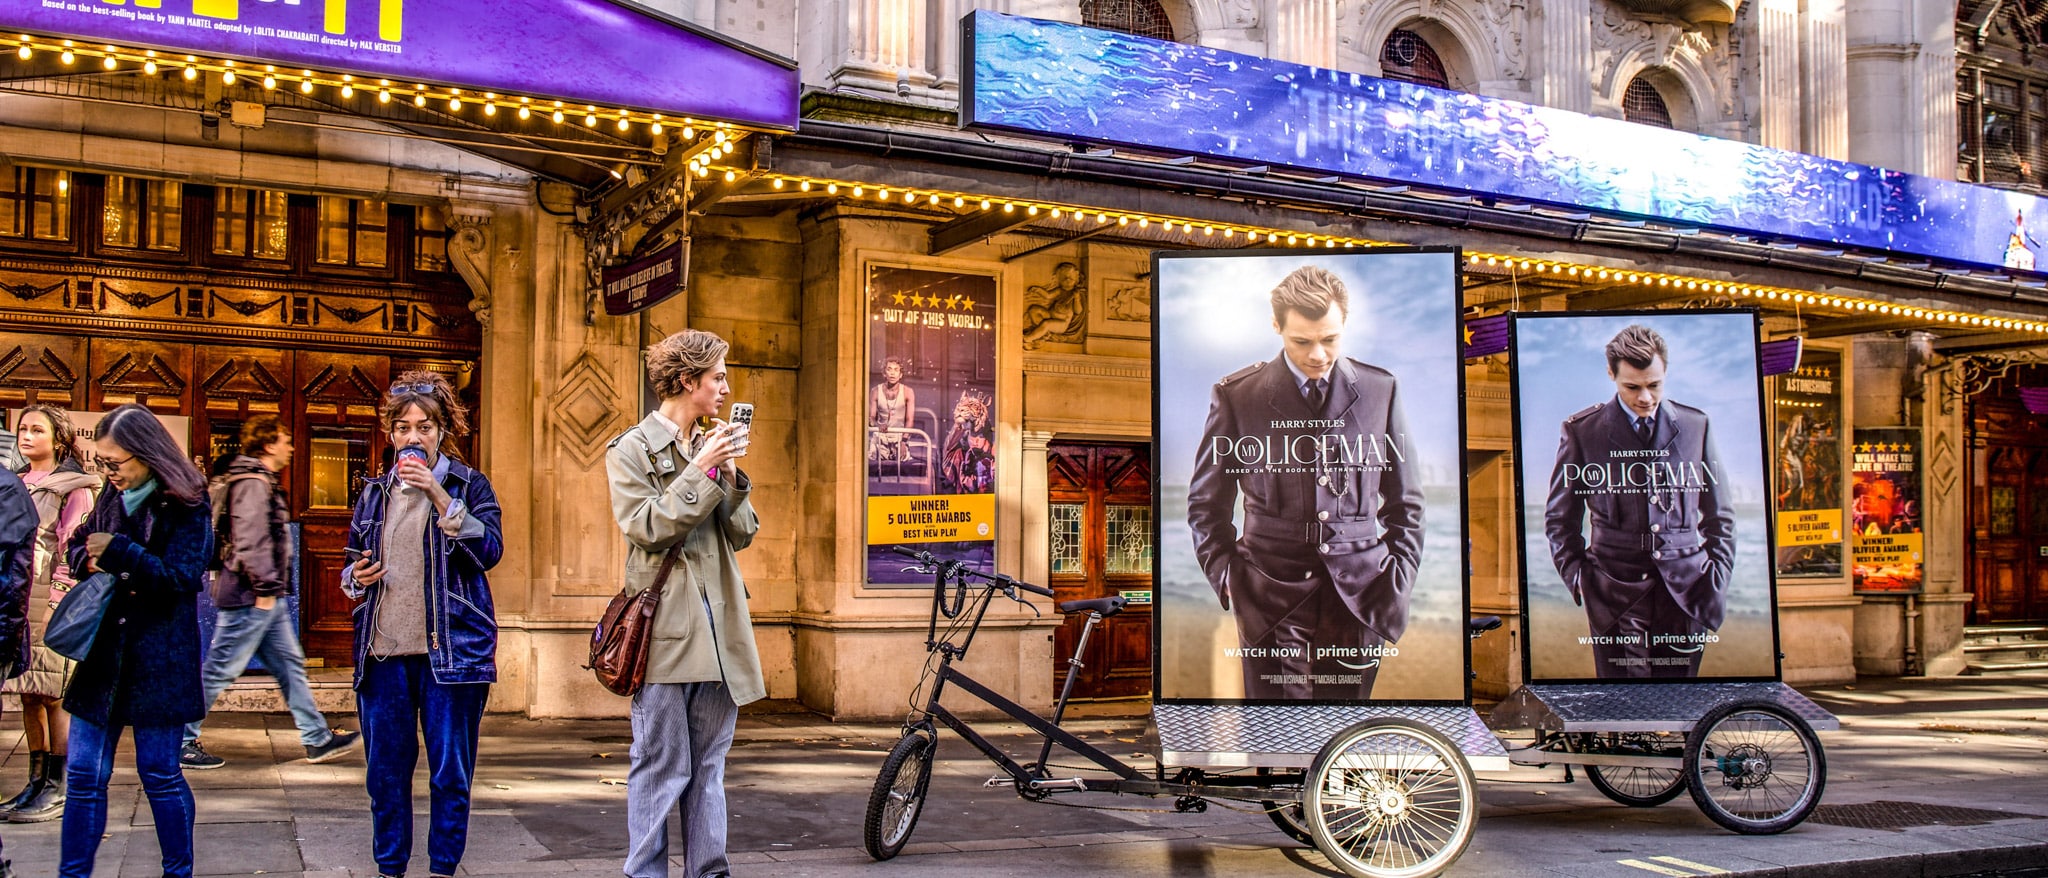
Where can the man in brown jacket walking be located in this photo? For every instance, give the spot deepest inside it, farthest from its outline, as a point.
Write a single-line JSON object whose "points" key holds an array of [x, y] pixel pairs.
{"points": [[255, 554]]}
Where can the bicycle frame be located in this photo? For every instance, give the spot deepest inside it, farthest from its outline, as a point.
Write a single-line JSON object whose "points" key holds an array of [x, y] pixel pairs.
{"points": [[1036, 781]]}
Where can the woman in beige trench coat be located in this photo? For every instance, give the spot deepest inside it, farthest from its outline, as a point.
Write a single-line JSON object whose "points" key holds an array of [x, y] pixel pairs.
{"points": [[675, 489]]}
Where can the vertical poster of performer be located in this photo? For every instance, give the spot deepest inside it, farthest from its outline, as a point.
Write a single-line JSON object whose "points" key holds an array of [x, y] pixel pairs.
{"points": [[930, 424], [1884, 510], [1645, 499], [1808, 452], [1309, 429]]}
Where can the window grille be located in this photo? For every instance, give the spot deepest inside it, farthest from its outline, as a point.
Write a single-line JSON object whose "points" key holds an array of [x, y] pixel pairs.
{"points": [[1644, 105], [1407, 57], [1145, 18]]}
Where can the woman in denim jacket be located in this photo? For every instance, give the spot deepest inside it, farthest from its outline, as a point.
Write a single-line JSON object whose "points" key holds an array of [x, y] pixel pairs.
{"points": [[426, 633]]}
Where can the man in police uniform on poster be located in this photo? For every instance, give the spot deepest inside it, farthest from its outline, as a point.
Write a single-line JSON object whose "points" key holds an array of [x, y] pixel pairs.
{"points": [[1653, 572], [1318, 576]]}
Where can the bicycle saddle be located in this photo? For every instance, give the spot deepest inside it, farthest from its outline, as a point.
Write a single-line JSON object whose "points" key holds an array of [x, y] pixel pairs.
{"points": [[1478, 625], [1108, 606]]}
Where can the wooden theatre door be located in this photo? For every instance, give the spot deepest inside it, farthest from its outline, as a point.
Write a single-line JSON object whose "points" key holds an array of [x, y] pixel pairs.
{"points": [[1100, 514]]}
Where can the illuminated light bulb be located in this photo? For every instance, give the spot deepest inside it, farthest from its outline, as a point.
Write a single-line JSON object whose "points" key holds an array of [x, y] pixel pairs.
{"points": [[269, 82], [1290, 240], [909, 198], [557, 117], [63, 184], [1229, 232], [778, 183], [1525, 265], [1603, 274], [1252, 237], [270, 68], [1144, 221], [590, 121], [1123, 220], [935, 198], [1329, 243], [383, 97], [703, 170], [1490, 261], [984, 204], [490, 109], [1473, 259], [857, 191], [719, 136], [306, 86], [525, 113], [727, 149], [67, 57], [623, 124], [959, 202], [1208, 230], [731, 176], [109, 62], [419, 100], [191, 73], [881, 195], [454, 105], [688, 132], [1573, 271], [25, 53], [149, 67], [347, 92], [227, 77], [1009, 207], [831, 188], [1055, 213], [656, 129]]}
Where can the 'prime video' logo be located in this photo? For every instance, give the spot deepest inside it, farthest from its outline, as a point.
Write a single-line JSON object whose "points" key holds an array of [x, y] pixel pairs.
{"points": [[390, 13]]}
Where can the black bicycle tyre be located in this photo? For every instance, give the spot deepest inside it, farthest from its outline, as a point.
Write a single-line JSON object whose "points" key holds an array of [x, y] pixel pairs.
{"points": [[1632, 777], [897, 799], [1434, 795], [1287, 816], [1756, 756]]}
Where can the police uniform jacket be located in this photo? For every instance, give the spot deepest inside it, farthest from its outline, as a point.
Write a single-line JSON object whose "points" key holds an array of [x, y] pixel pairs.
{"points": [[1684, 531], [1356, 515]]}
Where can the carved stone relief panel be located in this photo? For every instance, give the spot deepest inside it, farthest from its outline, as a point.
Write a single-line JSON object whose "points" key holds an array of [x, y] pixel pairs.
{"points": [[151, 373]]}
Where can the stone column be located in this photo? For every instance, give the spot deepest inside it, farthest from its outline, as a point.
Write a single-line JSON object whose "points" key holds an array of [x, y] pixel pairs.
{"points": [[1901, 85], [1824, 75], [1771, 34], [1563, 34], [945, 36], [1304, 32], [880, 43], [1945, 452], [1036, 562]]}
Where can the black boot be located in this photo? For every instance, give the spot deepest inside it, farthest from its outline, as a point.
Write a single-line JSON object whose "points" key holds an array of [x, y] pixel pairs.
{"points": [[36, 758], [48, 803]]}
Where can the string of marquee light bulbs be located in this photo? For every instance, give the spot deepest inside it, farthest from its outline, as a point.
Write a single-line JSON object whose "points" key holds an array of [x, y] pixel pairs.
{"points": [[307, 81], [1491, 263]]}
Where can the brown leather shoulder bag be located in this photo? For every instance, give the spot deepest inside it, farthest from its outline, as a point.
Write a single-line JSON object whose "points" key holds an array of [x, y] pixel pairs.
{"points": [[619, 644]]}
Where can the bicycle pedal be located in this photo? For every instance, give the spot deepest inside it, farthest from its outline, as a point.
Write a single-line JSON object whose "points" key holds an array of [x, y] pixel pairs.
{"points": [[1000, 780]]}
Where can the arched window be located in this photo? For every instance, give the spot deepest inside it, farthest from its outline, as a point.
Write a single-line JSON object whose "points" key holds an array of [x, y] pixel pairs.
{"points": [[1145, 18], [1408, 58], [1644, 105]]}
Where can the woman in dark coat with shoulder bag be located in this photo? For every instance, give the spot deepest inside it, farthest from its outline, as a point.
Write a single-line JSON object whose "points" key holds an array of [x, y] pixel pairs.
{"points": [[150, 530]]}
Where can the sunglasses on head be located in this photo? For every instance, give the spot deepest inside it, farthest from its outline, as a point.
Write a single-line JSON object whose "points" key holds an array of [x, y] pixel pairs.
{"points": [[422, 389]]}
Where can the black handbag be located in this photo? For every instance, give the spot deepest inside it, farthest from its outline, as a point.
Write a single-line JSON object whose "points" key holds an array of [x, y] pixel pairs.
{"points": [[620, 642], [76, 620]]}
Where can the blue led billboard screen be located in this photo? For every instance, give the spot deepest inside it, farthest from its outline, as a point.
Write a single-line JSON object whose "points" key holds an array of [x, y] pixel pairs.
{"points": [[1078, 83]]}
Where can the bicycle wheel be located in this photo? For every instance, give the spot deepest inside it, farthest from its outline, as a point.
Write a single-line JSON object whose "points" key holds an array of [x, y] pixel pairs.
{"points": [[898, 796], [1391, 798], [1637, 787], [1754, 767]]}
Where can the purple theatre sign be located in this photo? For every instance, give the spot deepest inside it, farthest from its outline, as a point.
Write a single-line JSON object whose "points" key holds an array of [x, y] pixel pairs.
{"points": [[582, 51]]}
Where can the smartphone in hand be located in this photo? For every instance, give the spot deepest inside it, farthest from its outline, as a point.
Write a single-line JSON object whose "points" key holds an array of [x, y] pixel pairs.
{"points": [[355, 556], [743, 415]]}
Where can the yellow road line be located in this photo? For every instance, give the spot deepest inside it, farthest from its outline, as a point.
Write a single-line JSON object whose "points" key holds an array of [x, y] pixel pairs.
{"points": [[1704, 870], [1661, 870]]}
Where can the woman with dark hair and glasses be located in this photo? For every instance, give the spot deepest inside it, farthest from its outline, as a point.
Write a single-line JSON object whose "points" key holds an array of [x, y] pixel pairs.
{"points": [[424, 534], [151, 531]]}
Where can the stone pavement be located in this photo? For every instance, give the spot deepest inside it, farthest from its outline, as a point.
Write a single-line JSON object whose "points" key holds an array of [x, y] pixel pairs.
{"points": [[1968, 752]]}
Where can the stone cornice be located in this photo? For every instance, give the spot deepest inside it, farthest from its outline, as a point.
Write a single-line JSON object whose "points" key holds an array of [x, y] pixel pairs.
{"points": [[1084, 365]]}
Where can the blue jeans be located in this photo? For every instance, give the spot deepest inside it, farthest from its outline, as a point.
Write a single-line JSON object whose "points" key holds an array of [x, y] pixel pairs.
{"points": [[396, 702], [243, 632], [681, 734], [85, 813]]}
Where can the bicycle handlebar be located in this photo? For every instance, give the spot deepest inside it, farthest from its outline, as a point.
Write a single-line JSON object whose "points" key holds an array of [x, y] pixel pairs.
{"points": [[958, 568]]}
